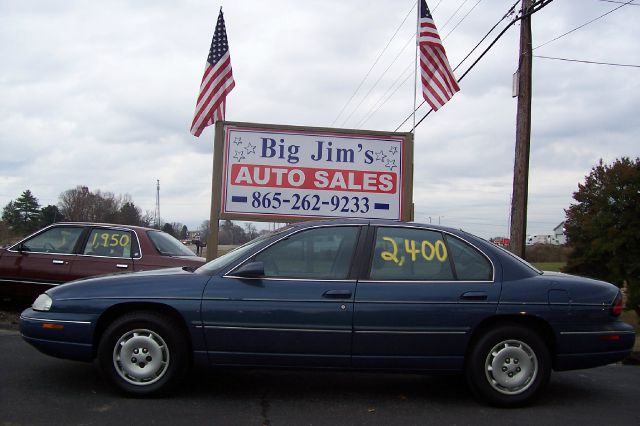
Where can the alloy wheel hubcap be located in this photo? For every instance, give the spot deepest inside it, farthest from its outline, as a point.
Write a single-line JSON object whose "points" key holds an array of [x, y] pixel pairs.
{"points": [[141, 357], [511, 367]]}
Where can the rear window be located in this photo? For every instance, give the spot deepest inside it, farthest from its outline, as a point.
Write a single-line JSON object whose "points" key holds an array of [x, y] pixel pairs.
{"points": [[470, 264], [167, 245]]}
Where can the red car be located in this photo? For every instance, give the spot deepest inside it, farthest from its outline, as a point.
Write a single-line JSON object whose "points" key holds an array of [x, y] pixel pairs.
{"points": [[67, 251]]}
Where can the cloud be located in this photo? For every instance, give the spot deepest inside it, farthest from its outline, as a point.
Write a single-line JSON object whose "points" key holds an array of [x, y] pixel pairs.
{"points": [[103, 96]]}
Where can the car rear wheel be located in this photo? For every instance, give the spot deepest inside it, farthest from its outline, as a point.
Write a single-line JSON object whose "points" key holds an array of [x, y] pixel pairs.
{"points": [[143, 353], [508, 366]]}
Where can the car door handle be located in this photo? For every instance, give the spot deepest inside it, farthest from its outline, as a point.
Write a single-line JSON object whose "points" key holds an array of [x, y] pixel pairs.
{"points": [[121, 266], [337, 294], [57, 262], [474, 295]]}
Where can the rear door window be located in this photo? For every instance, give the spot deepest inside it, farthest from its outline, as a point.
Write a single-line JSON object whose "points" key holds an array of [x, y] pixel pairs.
{"points": [[109, 243], [410, 254]]}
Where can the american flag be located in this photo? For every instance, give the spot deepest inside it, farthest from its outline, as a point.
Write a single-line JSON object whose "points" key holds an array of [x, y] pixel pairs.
{"points": [[438, 82], [217, 82]]}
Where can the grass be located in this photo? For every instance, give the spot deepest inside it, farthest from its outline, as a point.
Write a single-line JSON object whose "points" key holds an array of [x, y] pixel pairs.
{"points": [[549, 266]]}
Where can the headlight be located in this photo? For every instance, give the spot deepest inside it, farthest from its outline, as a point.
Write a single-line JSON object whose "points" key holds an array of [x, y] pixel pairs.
{"points": [[42, 303]]}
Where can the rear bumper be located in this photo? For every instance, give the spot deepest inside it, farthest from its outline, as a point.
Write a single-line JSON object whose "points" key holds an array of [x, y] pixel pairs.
{"points": [[578, 361], [585, 349]]}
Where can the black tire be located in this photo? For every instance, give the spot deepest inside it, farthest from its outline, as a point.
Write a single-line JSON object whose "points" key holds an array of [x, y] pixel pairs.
{"points": [[143, 354], [508, 366]]}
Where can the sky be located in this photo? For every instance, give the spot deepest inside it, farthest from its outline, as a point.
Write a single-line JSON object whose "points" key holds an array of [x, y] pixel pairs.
{"points": [[103, 94]]}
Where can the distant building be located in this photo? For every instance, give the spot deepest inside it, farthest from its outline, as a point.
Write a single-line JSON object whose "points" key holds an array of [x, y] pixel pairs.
{"points": [[557, 238], [538, 239], [558, 234]]}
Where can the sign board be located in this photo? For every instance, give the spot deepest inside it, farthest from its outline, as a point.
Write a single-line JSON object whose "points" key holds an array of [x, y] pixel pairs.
{"points": [[281, 173]]}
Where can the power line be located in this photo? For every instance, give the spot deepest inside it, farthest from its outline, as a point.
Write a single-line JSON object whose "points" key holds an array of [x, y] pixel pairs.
{"points": [[535, 7], [620, 2], [454, 14], [460, 21], [365, 117], [378, 80], [584, 25], [374, 64], [588, 62], [388, 94], [506, 15]]}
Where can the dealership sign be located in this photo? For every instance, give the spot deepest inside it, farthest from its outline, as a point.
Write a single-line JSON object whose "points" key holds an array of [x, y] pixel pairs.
{"points": [[286, 173]]}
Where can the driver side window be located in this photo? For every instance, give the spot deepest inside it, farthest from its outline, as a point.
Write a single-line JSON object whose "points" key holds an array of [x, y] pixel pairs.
{"points": [[320, 253], [61, 240]]}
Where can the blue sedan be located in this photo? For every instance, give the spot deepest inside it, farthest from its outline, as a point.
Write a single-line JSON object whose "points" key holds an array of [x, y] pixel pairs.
{"points": [[347, 294]]}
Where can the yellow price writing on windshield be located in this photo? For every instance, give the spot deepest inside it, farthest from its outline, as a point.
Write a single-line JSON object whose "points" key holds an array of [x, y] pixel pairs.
{"points": [[426, 249]]}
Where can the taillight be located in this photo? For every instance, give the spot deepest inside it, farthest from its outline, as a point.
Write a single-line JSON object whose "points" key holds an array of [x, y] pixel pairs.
{"points": [[616, 307]]}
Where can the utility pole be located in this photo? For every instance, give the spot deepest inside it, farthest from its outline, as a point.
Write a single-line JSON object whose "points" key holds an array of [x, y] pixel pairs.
{"points": [[523, 138], [158, 205]]}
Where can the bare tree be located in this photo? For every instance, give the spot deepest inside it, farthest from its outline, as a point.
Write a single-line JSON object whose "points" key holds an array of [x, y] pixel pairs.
{"points": [[250, 230], [82, 205]]}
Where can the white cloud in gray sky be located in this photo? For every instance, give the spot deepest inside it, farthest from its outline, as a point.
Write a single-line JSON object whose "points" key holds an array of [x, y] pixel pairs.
{"points": [[102, 94]]}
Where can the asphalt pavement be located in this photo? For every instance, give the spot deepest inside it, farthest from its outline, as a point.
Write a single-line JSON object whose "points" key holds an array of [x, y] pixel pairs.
{"points": [[36, 389]]}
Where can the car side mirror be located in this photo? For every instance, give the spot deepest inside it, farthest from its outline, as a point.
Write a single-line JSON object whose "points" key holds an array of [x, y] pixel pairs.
{"points": [[250, 270]]}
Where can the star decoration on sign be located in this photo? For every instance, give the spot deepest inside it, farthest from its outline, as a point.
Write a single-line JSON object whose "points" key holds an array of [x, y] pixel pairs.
{"points": [[380, 156], [250, 149], [237, 141], [391, 164], [393, 150], [239, 156]]}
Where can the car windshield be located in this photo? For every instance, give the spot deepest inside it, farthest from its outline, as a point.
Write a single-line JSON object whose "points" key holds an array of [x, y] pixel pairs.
{"points": [[167, 245], [226, 259]]}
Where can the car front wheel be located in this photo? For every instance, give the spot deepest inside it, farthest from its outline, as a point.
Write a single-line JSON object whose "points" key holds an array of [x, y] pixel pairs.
{"points": [[143, 353], [508, 366]]}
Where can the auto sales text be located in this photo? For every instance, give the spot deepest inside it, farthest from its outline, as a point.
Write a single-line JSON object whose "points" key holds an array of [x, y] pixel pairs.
{"points": [[262, 175]]}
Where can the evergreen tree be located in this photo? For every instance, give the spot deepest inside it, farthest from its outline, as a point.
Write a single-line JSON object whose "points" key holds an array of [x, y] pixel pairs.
{"points": [[23, 214], [50, 214], [168, 229], [603, 227], [129, 214]]}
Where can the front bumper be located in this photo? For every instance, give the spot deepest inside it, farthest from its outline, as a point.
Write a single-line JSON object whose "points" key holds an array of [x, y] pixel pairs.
{"points": [[67, 336]]}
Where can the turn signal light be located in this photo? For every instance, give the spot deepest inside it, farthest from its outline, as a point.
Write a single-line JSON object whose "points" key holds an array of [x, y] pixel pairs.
{"points": [[49, 326], [610, 338]]}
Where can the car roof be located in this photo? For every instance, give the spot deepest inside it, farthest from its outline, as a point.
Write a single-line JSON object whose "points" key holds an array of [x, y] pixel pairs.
{"points": [[375, 222], [110, 225]]}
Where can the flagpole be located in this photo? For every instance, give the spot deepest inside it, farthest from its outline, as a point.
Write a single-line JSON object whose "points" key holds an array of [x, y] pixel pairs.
{"points": [[415, 68]]}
